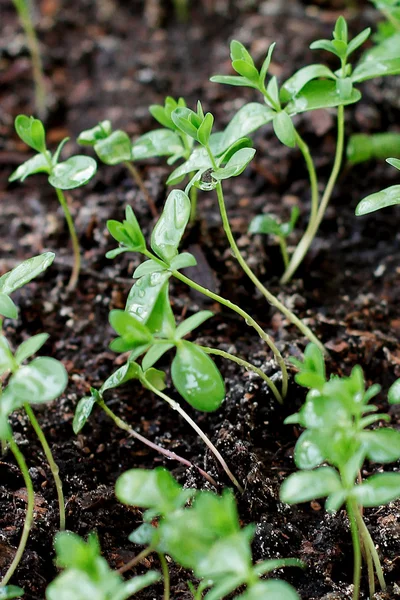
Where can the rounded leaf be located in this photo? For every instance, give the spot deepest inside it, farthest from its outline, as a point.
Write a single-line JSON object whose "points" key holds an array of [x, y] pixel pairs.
{"points": [[99, 132], [382, 445], [73, 173], [36, 164], [284, 129], [30, 347], [114, 149], [394, 393], [144, 293], [197, 378], [31, 131], [43, 380], [308, 452], [171, 225], [155, 489], [235, 165], [305, 486], [378, 490]]}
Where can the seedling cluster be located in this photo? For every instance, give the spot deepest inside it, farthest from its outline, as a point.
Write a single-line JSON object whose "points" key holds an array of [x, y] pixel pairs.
{"points": [[200, 530]]}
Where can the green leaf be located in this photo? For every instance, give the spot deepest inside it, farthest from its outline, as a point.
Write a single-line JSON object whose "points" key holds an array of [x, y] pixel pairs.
{"points": [[31, 131], [312, 372], [324, 45], [128, 233], [72, 173], [335, 501], [233, 148], [395, 162], [133, 333], [250, 117], [310, 485], [7, 362], [154, 378], [308, 452], [192, 322], [130, 370], [161, 321], [387, 197], [369, 69], [273, 91], [82, 413], [171, 225], [135, 585], [36, 164], [270, 590], [30, 347], [358, 41], [147, 268], [144, 293], [378, 490], [204, 131], [187, 121], [246, 70], [199, 159], [7, 307], [239, 52], [182, 261], [10, 591], [155, 489], [56, 156], [394, 393], [155, 353], [160, 142], [114, 149], [382, 445], [43, 380], [197, 378], [90, 136], [233, 80], [319, 94], [284, 129], [265, 65], [296, 83], [235, 165], [25, 272]]}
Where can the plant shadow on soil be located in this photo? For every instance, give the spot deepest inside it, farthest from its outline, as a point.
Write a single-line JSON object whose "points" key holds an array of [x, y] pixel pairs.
{"points": [[108, 62]]}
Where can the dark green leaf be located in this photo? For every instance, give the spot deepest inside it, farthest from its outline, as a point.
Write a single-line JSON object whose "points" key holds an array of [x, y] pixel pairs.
{"points": [[73, 172], [31, 131], [127, 372], [378, 490], [284, 129], [295, 84], [319, 94], [7, 307], [310, 485], [25, 272], [171, 225], [187, 121], [160, 142], [90, 136], [161, 321], [369, 69], [82, 413], [30, 347], [114, 149], [197, 378], [36, 164], [387, 197], [192, 323], [382, 445]]}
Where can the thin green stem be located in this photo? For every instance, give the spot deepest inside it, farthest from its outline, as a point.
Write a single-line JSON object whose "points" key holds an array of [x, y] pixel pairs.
{"points": [[266, 293], [52, 464], [199, 432], [248, 366], [304, 149], [140, 183], [314, 224], [193, 201], [370, 547], [22, 8], [165, 573], [29, 512], [74, 238], [351, 512], [284, 252], [136, 560], [171, 455]]}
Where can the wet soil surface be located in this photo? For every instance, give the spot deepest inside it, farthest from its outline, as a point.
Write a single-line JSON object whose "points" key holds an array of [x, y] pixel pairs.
{"points": [[112, 59]]}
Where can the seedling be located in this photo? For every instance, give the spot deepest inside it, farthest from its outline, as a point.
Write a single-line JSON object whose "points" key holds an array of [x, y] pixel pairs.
{"points": [[388, 197], [312, 87], [42, 380], [24, 12], [87, 575], [268, 224], [115, 148], [67, 175], [205, 537], [336, 415], [363, 147]]}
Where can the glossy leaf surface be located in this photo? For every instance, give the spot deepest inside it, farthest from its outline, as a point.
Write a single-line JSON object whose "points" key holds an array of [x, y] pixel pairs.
{"points": [[36, 164], [387, 197], [25, 272], [319, 94], [171, 225], [114, 149], [72, 173], [31, 131], [43, 380]]}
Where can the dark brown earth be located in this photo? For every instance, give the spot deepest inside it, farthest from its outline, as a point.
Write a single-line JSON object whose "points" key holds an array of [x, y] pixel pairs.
{"points": [[111, 59]]}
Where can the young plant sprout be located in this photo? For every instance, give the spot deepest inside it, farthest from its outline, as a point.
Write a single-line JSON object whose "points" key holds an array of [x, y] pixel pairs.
{"points": [[388, 197], [312, 87], [269, 225], [335, 416], [23, 9], [67, 175], [205, 537], [87, 574], [115, 148], [42, 380]]}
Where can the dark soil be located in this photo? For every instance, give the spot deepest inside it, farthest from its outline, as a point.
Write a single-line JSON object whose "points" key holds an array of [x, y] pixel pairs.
{"points": [[111, 59]]}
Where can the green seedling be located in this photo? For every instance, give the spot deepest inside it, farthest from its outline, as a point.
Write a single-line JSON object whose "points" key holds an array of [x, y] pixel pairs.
{"points": [[23, 9], [86, 573], [18, 277], [41, 380], [312, 87], [115, 148], [269, 225], [363, 147], [67, 175], [388, 197], [336, 417], [204, 537]]}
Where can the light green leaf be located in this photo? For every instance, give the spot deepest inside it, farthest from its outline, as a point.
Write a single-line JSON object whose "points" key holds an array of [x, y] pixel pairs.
{"points": [[114, 149], [25, 272], [324, 45], [30, 347], [295, 84], [187, 121], [144, 294], [43, 380], [395, 162], [387, 197], [265, 65], [99, 132], [147, 268], [382, 445], [10, 591], [161, 321], [235, 165], [7, 307], [308, 452], [192, 323], [82, 413], [155, 489], [358, 41], [128, 233], [36, 164], [128, 371], [199, 159], [155, 353], [319, 94], [305, 486], [135, 585], [284, 129], [239, 52], [378, 490], [270, 590], [246, 70], [31, 131], [394, 393], [133, 334], [182, 261], [154, 378], [204, 131], [160, 142], [197, 378], [171, 225], [369, 69], [72, 173], [7, 362], [233, 80]]}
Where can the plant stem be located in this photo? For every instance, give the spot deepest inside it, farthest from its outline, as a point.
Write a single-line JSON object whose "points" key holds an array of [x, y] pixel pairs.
{"points": [[140, 183], [165, 572], [22, 8], [74, 238], [352, 512], [248, 319], [267, 294], [199, 432], [193, 201], [370, 547], [284, 252], [52, 464], [248, 366], [314, 224], [304, 149], [171, 455], [136, 560], [29, 512]]}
